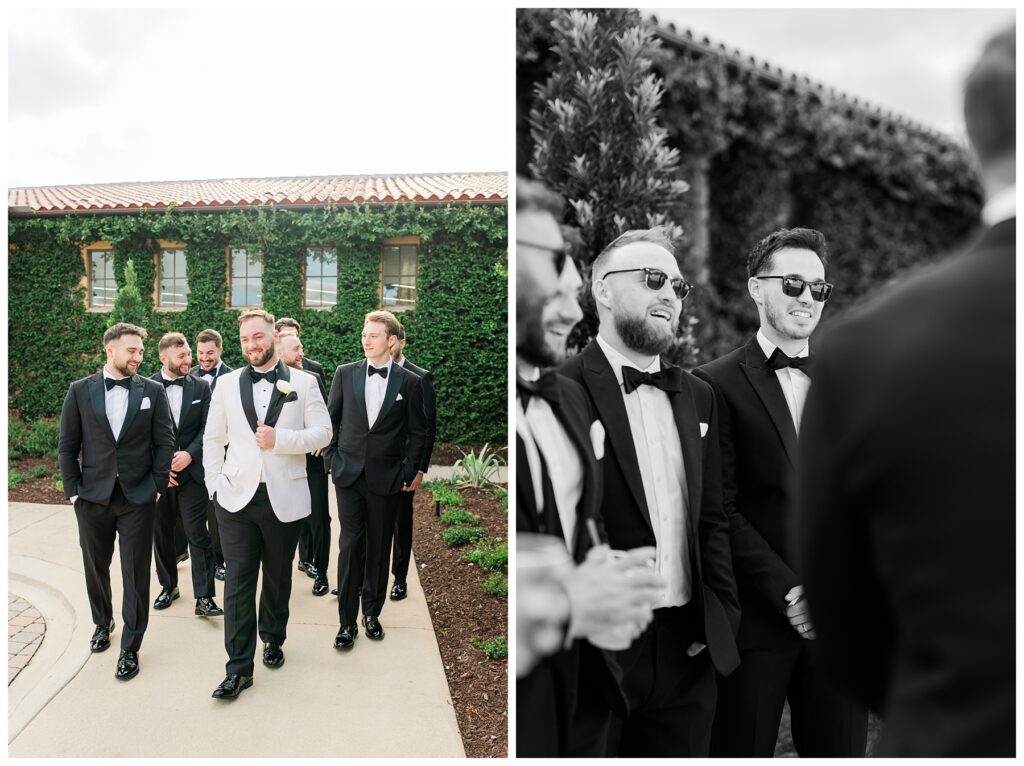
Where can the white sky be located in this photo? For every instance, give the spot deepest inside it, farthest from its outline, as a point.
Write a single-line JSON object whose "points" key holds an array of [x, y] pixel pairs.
{"points": [[910, 61], [100, 95]]}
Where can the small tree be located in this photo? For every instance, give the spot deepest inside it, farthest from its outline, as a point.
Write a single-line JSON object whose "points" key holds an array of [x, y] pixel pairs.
{"points": [[128, 305]]}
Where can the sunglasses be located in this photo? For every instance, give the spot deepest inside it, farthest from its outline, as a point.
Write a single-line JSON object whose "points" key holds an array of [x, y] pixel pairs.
{"points": [[794, 288], [655, 279], [558, 254]]}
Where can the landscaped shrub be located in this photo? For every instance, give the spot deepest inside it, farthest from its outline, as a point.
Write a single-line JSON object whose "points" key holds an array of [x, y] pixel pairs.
{"points": [[456, 536], [502, 494], [495, 648], [14, 478], [459, 518], [477, 469], [444, 492], [491, 558], [496, 585], [32, 438]]}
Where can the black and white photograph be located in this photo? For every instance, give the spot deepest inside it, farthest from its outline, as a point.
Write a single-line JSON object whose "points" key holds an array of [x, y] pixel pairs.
{"points": [[764, 337]]}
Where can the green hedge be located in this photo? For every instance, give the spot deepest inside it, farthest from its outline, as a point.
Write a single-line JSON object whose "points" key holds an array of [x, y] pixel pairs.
{"points": [[458, 329]]}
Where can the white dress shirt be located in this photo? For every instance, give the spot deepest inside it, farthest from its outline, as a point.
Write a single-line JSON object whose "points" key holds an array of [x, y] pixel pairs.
{"points": [[795, 383], [376, 387], [174, 397], [659, 453], [1002, 206], [544, 435], [116, 405]]}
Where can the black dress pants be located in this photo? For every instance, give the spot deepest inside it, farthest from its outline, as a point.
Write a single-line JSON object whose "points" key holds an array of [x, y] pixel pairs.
{"points": [[315, 541], [255, 537], [367, 525], [185, 503], [132, 525], [402, 548]]}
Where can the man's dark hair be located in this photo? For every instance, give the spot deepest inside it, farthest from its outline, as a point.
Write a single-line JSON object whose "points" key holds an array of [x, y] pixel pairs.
{"points": [[656, 236], [245, 316], [171, 339], [208, 335], [533, 195], [288, 322], [401, 332], [760, 258], [990, 99], [123, 328]]}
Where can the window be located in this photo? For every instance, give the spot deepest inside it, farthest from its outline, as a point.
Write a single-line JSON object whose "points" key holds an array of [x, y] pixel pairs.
{"points": [[321, 277], [102, 285], [246, 278], [398, 277], [173, 283]]}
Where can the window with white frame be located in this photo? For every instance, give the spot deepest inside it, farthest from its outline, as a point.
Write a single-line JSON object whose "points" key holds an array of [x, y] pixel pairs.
{"points": [[173, 282], [246, 278], [399, 265], [102, 285], [321, 277]]}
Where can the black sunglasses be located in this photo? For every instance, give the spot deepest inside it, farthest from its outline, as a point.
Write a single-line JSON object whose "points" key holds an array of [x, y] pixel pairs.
{"points": [[655, 279], [559, 253], [794, 288]]}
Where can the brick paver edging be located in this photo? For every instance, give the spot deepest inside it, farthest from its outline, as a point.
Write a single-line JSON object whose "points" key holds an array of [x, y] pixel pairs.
{"points": [[25, 631]]}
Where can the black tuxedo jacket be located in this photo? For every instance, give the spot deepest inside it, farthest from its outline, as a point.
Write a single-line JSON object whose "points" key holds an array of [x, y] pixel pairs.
{"points": [[391, 451], [211, 381], [314, 367], [624, 506], [195, 406], [907, 506], [316, 464], [139, 457], [759, 454], [429, 412]]}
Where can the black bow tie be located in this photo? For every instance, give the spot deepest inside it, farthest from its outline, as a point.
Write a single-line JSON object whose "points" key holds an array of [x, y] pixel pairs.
{"points": [[778, 360], [546, 387], [211, 371], [669, 379], [382, 371], [270, 375], [175, 382], [123, 383]]}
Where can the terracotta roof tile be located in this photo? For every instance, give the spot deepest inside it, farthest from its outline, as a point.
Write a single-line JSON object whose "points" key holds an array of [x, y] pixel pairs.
{"points": [[244, 192]]}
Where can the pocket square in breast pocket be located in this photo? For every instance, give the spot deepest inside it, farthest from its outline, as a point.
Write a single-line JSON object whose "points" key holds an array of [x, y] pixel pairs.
{"points": [[196, 401], [703, 430], [399, 398], [146, 404], [597, 438]]}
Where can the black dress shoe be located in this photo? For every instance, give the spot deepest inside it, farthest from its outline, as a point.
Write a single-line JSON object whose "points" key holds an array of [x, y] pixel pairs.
{"points": [[346, 637], [231, 686], [273, 655], [399, 590], [100, 640], [182, 557], [218, 572], [309, 568], [167, 595], [127, 665], [373, 628], [207, 607], [334, 591], [320, 586]]}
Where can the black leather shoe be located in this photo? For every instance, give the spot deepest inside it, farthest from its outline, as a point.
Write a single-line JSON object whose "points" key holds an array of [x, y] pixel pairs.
{"points": [[231, 686], [207, 607], [100, 640], [320, 586], [182, 557], [167, 595], [334, 591], [308, 568], [127, 665], [374, 630], [399, 590], [346, 637], [273, 655], [218, 572]]}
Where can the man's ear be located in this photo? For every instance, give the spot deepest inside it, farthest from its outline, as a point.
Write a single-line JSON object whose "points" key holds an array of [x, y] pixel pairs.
{"points": [[600, 291], [754, 288]]}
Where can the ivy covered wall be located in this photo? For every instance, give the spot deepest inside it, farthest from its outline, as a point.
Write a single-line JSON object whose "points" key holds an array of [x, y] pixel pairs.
{"points": [[458, 329]]}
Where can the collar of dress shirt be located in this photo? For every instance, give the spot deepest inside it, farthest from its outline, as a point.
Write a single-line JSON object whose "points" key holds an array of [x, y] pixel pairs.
{"points": [[529, 372], [769, 348], [1001, 207], [370, 364], [163, 374], [267, 368], [106, 374], [618, 361]]}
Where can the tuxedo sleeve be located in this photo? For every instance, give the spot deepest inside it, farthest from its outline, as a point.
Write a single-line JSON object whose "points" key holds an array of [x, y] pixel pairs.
{"points": [[335, 405], [215, 439], [195, 447], [758, 568], [417, 430], [430, 419], [163, 441], [69, 444], [316, 431]]}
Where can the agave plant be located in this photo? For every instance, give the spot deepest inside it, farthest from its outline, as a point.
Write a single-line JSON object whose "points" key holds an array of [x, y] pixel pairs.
{"points": [[478, 469]]}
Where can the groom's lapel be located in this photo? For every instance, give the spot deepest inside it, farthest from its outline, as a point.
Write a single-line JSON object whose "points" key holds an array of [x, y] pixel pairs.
{"points": [[359, 386], [277, 398], [395, 377], [245, 391], [98, 398]]}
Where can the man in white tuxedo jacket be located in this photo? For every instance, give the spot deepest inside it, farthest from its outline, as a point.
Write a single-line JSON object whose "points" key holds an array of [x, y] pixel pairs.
{"points": [[269, 416]]}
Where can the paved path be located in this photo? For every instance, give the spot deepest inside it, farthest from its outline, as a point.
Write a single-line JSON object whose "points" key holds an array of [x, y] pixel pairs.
{"points": [[25, 630], [387, 698]]}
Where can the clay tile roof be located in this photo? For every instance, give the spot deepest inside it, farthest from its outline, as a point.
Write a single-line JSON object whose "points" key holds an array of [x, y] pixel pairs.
{"points": [[244, 192]]}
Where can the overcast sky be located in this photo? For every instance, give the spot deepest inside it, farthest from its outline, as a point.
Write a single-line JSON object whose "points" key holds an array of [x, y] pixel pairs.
{"points": [[154, 95], [910, 61]]}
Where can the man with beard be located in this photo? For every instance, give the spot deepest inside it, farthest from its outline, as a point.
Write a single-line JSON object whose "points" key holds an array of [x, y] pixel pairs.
{"points": [[662, 487], [120, 425], [760, 389], [186, 498], [209, 345], [268, 418], [566, 684]]}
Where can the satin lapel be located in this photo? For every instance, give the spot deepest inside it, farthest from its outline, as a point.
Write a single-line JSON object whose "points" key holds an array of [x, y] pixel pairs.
{"points": [[395, 378], [277, 398], [526, 500], [245, 392], [134, 403], [186, 399], [599, 378], [581, 438], [359, 386], [766, 384], [684, 409], [98, 399]]}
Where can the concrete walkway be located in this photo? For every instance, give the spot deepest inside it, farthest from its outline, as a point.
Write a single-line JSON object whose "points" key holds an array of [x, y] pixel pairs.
{"points": [[387, 698]]}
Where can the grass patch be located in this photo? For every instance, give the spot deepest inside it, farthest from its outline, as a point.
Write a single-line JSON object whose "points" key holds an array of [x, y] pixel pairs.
{"points": [[501, 493], [496, 585], [445, 492], [459, 518], [493, 558], [456, 536], [495, 648], [14, 478]]}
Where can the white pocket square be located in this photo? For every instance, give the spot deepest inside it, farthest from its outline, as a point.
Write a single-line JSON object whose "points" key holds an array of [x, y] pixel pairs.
{"points": [[597, 438], [703, 430], [196, 401], [146, 404], [399, 398]]}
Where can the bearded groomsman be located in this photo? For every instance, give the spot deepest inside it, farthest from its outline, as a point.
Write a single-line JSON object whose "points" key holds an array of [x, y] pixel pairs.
{"points": [[662, 487], [209, 345], [376, 410], [402, 549], [186, 498], [268, 416], [760, 389], [120, 424]]}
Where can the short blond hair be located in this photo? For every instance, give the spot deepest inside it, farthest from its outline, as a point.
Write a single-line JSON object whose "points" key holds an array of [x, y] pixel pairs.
{"points": [[245, 316], [386, 318], [171, 339]]}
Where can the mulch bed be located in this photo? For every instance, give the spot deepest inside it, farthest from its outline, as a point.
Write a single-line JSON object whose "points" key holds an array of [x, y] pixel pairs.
{"points": [[40, 490], [461, 610]]}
